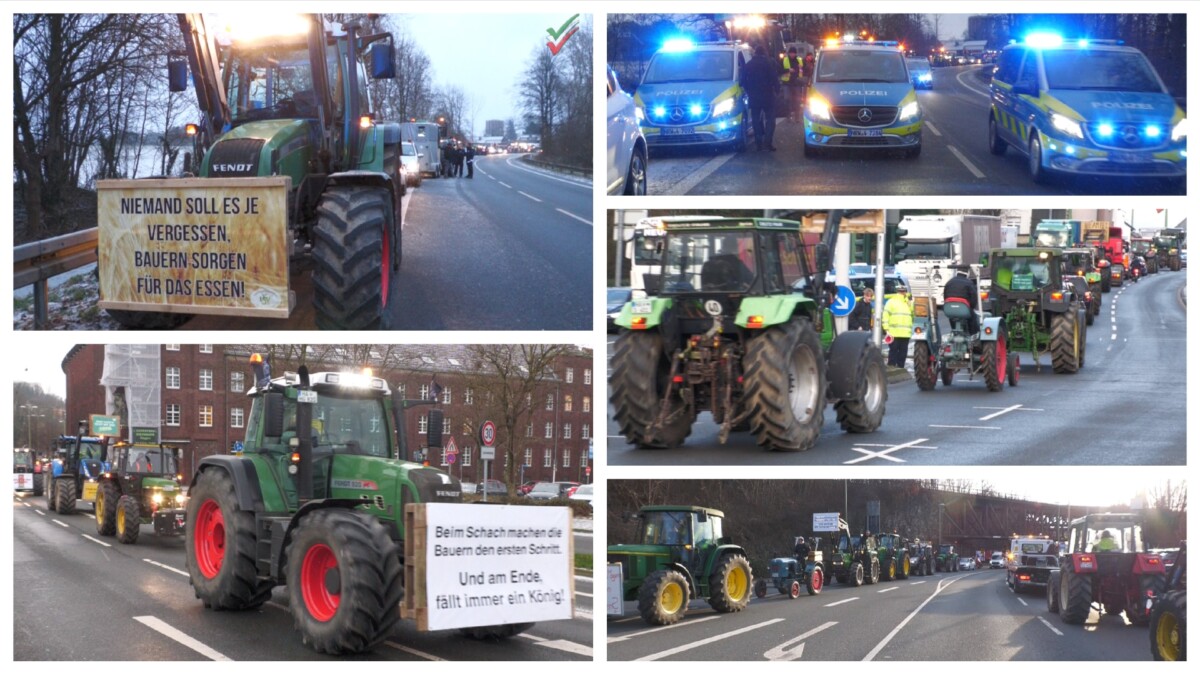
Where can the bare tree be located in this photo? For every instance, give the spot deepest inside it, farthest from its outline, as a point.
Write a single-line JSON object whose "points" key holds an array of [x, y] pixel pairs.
{"points": [[540, 89]]}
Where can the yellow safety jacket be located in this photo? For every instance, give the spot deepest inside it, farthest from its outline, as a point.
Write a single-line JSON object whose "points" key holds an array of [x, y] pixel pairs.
{"points": [[786, 77], [897, 318]]}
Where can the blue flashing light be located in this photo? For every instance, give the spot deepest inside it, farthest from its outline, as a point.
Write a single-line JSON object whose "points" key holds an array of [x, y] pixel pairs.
{"points": [[1082, 43], [695, 110], [925, 77], [1105, 130], [660, 111], [721, 126], [1070, 149], [1153, 131], [675, 45], [1044, 40]]}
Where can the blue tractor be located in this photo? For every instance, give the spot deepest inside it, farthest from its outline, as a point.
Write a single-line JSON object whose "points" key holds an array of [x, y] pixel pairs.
{"points": [[75, 470]]}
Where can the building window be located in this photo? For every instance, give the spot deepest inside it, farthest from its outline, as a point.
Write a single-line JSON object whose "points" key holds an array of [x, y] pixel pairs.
{"points": [[568, 402], [570, 375], [529, 430], [206, 379], [205, 349], [446, 425], [528, 457], [469, 396], [466, 456], [586, 431], [400, 390], [587, 376], [206, 415], [566, 459], [171, 348], [548, 458], [237, 418], [446, 397], [423, 425], [445, 457], [424, 392], [173, 414], [567, 430], [172, 377], [237, 382], [549, 430], [587, 404], [549, 401], [583, 459], [528, 399]]}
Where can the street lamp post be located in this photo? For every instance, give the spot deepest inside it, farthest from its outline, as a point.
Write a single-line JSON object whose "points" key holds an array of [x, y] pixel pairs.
{"points": [[29, 421], [941, 509]]}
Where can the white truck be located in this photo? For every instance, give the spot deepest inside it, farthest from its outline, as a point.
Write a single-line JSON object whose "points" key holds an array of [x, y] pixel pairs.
{"points": [[1028, 562], [935, 243]]}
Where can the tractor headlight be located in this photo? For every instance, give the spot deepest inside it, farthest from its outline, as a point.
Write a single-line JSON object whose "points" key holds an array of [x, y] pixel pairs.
{"points": [[180, 500], [156, 497], [1066, 125], [909, 111], [723, 108], [1180, 130]]}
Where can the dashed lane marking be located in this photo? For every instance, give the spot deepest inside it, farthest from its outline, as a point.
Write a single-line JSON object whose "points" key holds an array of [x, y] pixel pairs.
{"points": [[1022, 601], [929, 125], [505, 184], [61, 523], [1001, 412], [90, 515], [889, 590], [39, 512], [181, 637], [102, 543], [1056, 631], [572, 215], [529, 196], [966, 162], [415, 652], [916, 583], [709, 640], [630, 636], [841, 602], [166, 567], [887, 451], [561, 645]]}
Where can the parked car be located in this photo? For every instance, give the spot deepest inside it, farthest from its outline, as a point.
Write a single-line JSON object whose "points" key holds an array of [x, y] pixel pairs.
{"points": [[966, 564], [411, 162], [627, 154], [494, 487], [583, 493], [551, 490], [525, 487]]}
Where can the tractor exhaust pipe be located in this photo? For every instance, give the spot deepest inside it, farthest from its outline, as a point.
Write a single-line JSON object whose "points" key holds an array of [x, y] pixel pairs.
{"points": [[304, 477]]}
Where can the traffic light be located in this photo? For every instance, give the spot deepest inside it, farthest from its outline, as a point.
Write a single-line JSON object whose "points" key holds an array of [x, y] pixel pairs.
{"points": [[896, 244], [862, 248], [435, 428]]}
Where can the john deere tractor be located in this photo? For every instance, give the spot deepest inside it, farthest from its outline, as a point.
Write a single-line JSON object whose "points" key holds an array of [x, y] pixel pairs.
{"points": [[682, 554], [947, 558], [1040, 310], [850, 559], [292, 99], [142, 487], [316, 503], [732, 325], [893, 557], [75, 470], [1169, 242], [1168, 615]]}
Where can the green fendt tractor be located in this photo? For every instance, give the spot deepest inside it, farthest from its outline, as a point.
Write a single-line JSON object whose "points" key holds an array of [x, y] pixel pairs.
{"points": [[142, 487], [732, 326], [316, 502], [850, 559], [893, 557], [947, 558], [1041, 311], [682, 554]]}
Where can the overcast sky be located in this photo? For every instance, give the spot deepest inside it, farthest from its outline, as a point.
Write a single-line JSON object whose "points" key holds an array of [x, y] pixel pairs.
{"points": [[949, 25]]}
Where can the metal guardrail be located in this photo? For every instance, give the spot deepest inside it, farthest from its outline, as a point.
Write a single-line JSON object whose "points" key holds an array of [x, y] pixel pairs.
{"points": [[35, 263], [574, 170]]}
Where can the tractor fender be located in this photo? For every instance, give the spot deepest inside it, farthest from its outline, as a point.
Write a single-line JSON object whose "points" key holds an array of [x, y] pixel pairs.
{"points": [[774, 309], [845, 357], [990, 327], [280, 538], [1149, 563], [243, 474], [371, 178], [657, 315], [693, 592], [719, 552], [920, 329], [808, 569]]}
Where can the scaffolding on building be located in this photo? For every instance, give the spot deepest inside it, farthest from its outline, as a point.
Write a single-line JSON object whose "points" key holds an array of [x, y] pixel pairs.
{"points": [[132, 386]]}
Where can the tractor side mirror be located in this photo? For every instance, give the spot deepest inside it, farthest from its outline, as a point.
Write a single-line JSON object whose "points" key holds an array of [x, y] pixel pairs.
{"points": [[822, 257], [273, 414], [177, 72], [702, 517], [383, 62]]}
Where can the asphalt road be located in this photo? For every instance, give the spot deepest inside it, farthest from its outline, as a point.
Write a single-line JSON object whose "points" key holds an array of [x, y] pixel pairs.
{"points": [[961, 616], [954, 160], [134, 603], [1126, 406]]}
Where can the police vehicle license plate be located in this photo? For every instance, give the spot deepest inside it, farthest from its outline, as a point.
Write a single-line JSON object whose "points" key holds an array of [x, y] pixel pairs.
{"points": [[1130, 157], [678, 131], [865, 132], [641, 307]]}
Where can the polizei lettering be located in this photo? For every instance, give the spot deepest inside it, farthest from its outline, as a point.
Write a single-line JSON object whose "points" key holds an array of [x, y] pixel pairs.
{"points": [[1122, 105], [186, 233], [863, 92]]}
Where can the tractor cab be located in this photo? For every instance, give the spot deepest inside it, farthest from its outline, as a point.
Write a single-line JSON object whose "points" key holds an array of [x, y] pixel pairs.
{"points": [[154, 460], [1107, 564], [1025, 271]]}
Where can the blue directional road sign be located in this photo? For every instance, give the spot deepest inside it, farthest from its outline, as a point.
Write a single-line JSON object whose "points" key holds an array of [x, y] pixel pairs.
{"points": [[844, 303]]}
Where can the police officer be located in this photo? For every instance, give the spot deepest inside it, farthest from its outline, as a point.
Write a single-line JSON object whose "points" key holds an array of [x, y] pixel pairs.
{"points": [[897, 323], [793, 84], [760, 80], [959, 286], [470, 161]]}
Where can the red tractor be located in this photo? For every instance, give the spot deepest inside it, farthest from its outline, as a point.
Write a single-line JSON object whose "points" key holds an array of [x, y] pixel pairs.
{"points": [[1106, 566]]}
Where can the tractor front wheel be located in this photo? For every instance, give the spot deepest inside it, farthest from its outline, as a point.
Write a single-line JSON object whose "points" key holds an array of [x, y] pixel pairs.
{"points": [[1074, 596], [889, 571], [220, 546], [816, 581], [1064, 342], [638, 383], [106, 509], [344, 581], [39, 482], [785, 386], [729, 586], [794, 589], [1052, 595], [760, 588], [873, 576], [924, 366], [663, 597], [995, 362], [903, 569], [64, 496], [51, 502], [350, 251], [128, 520], [862, 414], [856, 574], [1014, 369], [1168, 627]]}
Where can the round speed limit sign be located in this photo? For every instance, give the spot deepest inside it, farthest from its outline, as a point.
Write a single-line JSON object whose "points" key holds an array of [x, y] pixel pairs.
{"points": [[487, 433]]}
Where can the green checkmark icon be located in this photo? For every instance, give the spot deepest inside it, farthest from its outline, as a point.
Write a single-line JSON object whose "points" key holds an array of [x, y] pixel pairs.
{"points": [[561, 29]]}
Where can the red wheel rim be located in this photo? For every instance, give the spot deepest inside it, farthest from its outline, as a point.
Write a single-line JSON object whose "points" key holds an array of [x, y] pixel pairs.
{"points": [[818, 580], [209, 538], [387, 267], [1001, 356], [318, 561], [795, 589]]}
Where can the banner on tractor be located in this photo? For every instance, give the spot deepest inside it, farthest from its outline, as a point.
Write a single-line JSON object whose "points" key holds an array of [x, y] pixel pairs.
{"points": [[479, 565], [825, 522], [195, 245], [615, 601]]}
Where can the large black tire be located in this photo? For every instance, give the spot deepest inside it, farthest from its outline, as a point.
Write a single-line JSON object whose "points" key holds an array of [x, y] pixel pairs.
{"points": [[873, 574], [1052, 594], [785, 386], [947, 376], [128, 520], [1176, 263], [729, 586], [39, 484], [1168, 627], [924, 367], [635, 177], [1081, 321], [500, 632], [1152, 266], [1105, 280], [760, 588], [888, 570], [350, 280], [1074, 596], [1064, 342], [638, 382], [857, 576], [903, 568], [1014, 369], [864, 413], [220, 546], [1039, 173], [815, 582], [147, 320], [994, 365], [65, 496], [51, 502], [354, 553], [663, 597], [1091, 316], [106, 509], [1148, 584]]}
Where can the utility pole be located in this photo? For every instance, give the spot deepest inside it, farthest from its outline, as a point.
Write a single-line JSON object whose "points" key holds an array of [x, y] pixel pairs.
{"points": [[554, 455]]}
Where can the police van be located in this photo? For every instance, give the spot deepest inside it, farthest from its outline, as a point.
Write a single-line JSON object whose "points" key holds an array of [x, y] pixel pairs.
{"points": [[690, 96], [861, 97], [1085, 107]]}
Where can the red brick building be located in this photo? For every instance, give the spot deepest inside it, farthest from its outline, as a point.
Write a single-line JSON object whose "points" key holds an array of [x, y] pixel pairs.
{"points": [[204, 406]]}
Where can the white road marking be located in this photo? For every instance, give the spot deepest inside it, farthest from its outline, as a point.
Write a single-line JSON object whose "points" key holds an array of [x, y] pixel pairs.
{"points": [[1056, 631], [992, 407], [929, 125], [883, 643], [563, 646], [580, 577], [709, 640], [841, 602], [505, 184], [568, 213], [544, 174], [583, 614], [960, 426], [887, 451], [1022, 601], [529, 195], [166, 567], [693, 179], [630, 636], [90, 515], [966, 162], [786, 652], [62, 523], [39, 512], [959, 77], [181, 637], [916, 583], [889, 590], [1000, 412], [102, 543], [415, 652]]}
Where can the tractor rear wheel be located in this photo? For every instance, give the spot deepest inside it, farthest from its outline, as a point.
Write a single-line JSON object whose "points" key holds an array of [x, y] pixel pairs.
{"points": [[51, 502], [903, 568], [1064, 342], [351, 252], [39, 483], [220, 546], [889, 570], [785, 386], [1105, 281], [638, 383], [1168, 627], [924, 367], [64, 496], [344, 581], [947, 376], [856, 574], [1014, 369], [128, 520], [729, 585], [1052, 595], [760, 588], [1148, 585], [816, 581], [864, 413], [106, 509], [873, 575], [663, 597], [995, 362], [1074, 596]]}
